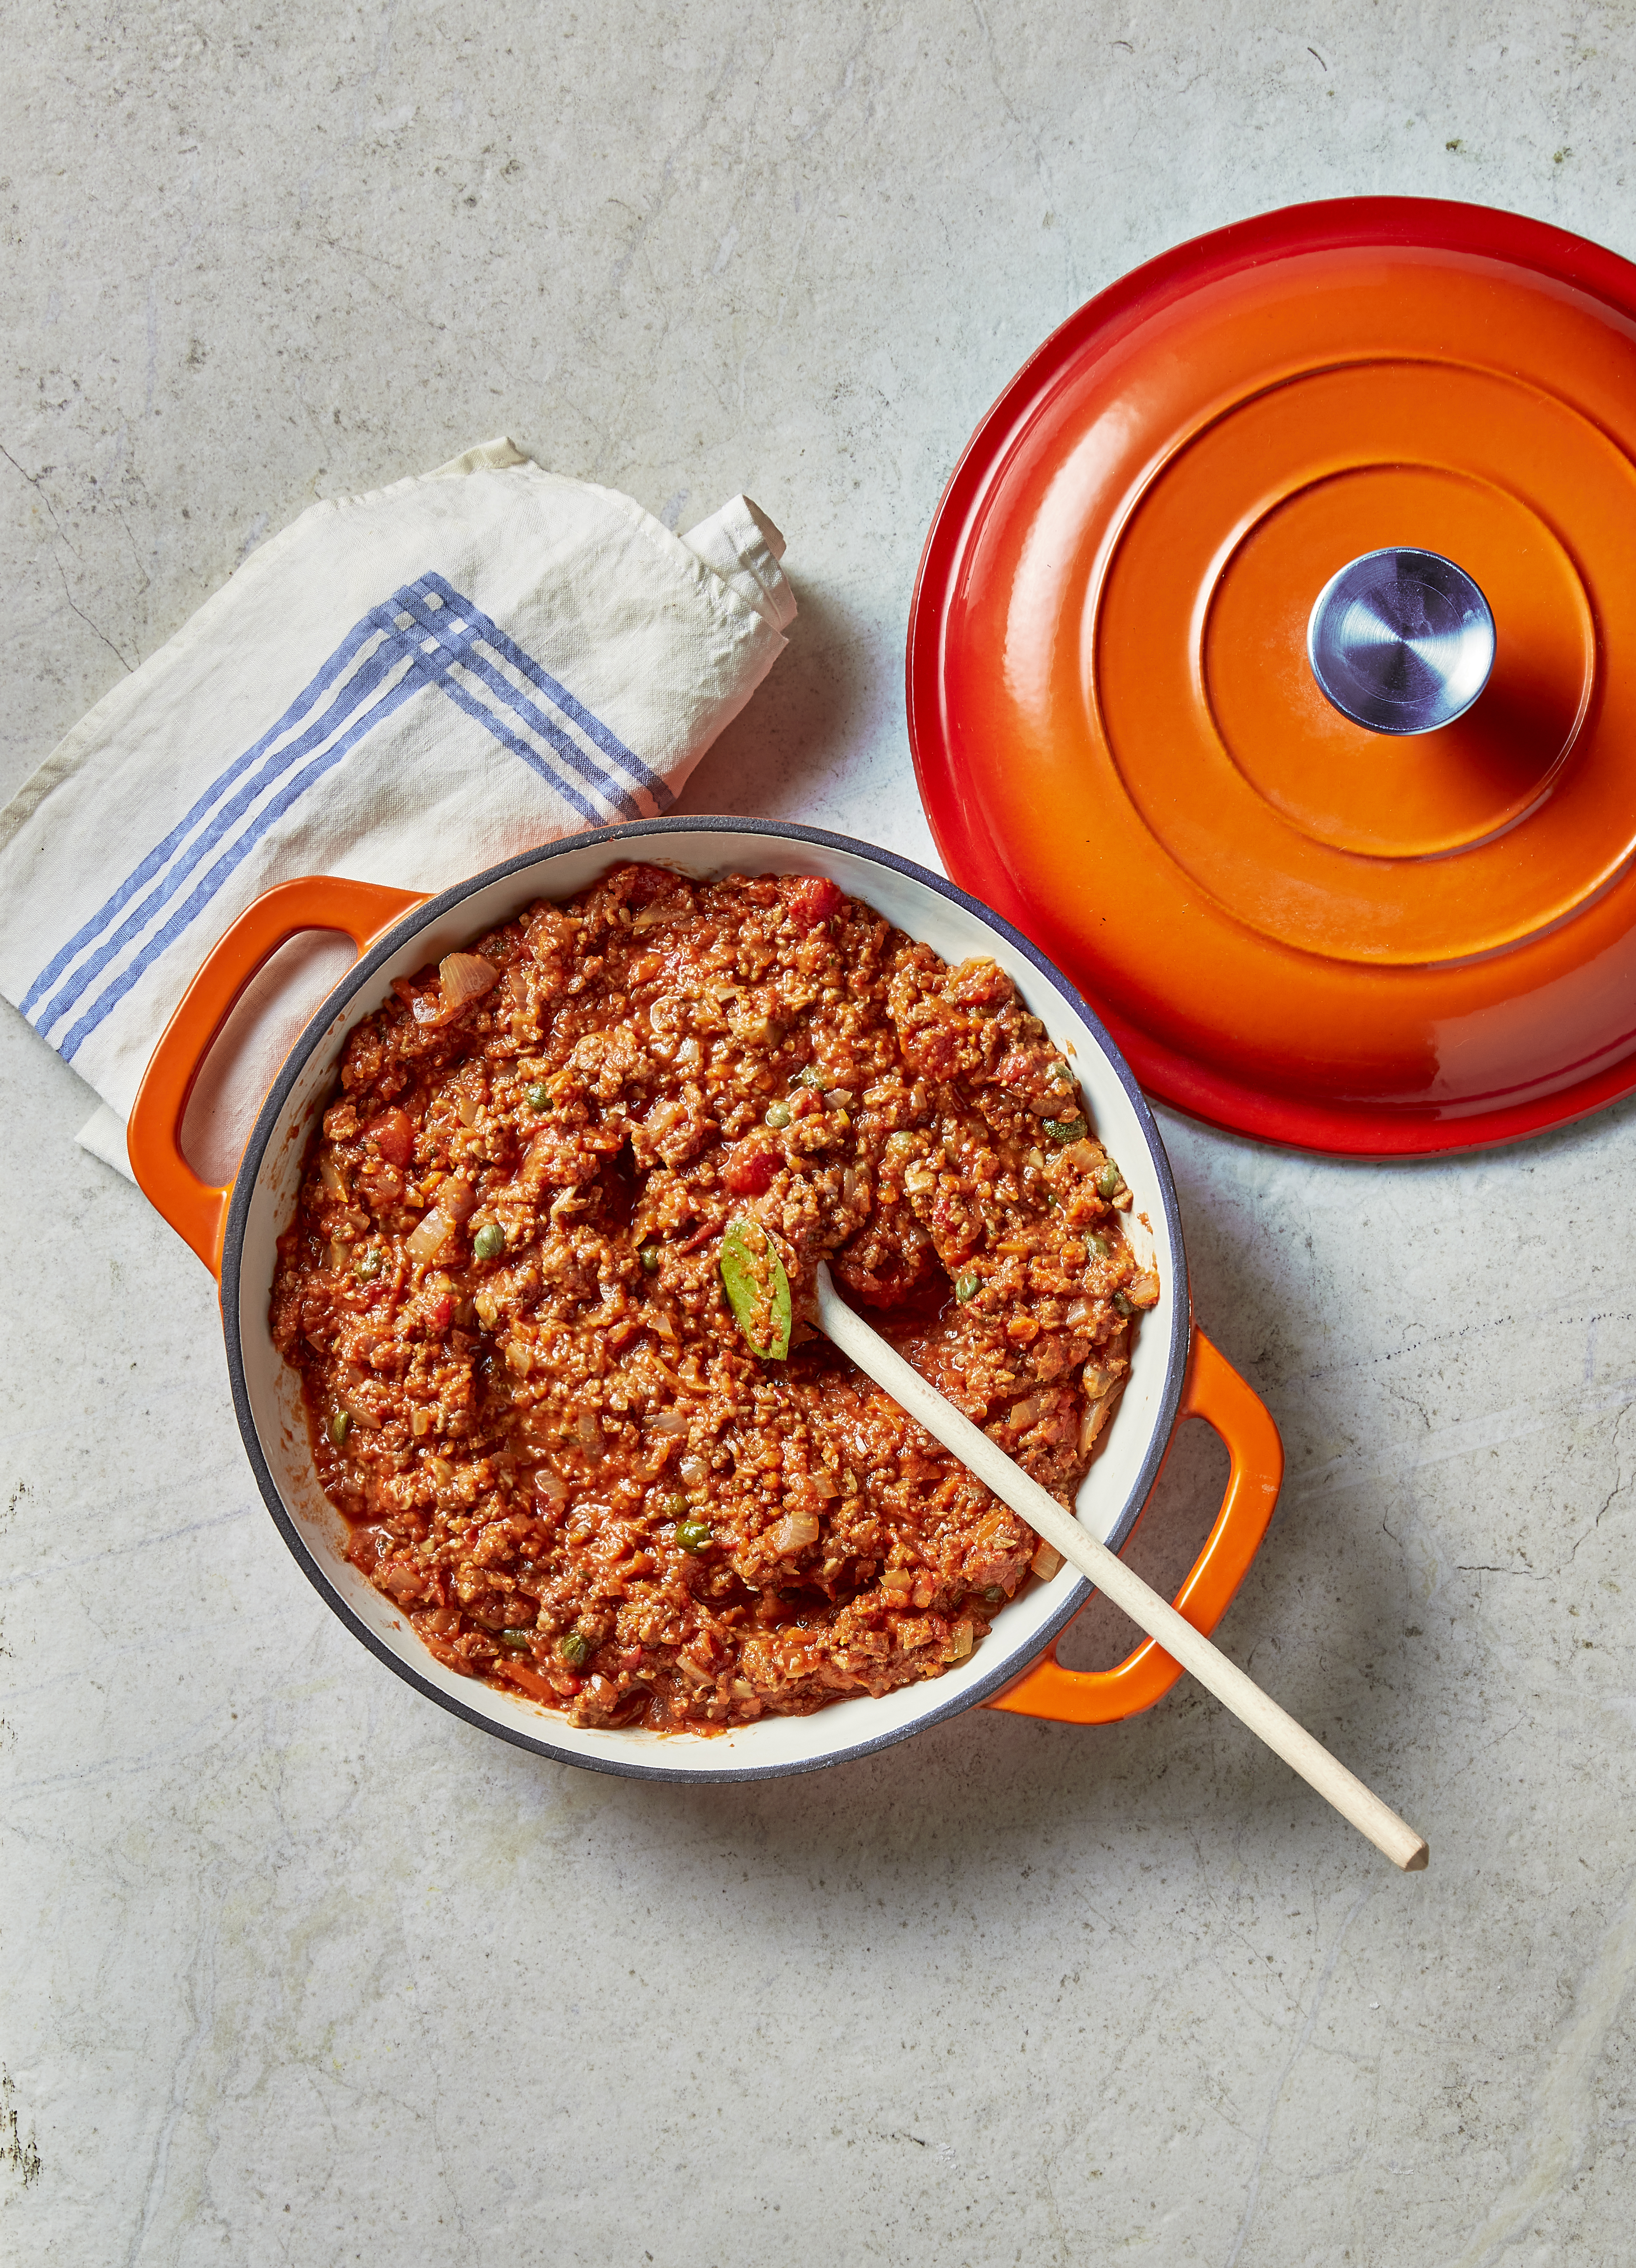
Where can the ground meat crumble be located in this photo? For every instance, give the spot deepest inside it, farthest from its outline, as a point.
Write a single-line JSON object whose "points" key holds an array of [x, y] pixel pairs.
{"points": [[526, 1387]]}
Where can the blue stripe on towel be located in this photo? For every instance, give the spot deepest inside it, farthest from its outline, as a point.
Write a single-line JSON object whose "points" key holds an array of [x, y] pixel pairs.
{"points": [[457, 647], [560, 697], [507, 739], [353, 709], [193, 905], [332, 669], [367, 681]]}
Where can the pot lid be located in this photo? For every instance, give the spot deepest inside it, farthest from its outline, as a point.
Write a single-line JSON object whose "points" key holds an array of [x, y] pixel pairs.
{"points": [[1132, 732]]}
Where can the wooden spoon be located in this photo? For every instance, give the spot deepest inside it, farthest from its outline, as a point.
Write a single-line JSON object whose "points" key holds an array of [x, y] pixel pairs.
{"points": [[1104, 1568]]}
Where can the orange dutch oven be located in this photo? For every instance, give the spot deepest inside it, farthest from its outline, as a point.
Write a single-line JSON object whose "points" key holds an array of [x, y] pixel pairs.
{"points": [[1176, 1374]]}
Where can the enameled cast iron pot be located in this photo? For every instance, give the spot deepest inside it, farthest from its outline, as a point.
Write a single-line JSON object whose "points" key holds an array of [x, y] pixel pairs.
{"points": [[1175, 1372]]}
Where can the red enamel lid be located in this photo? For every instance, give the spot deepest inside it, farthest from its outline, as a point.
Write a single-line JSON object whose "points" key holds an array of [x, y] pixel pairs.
{"points": [[1296, 927]]}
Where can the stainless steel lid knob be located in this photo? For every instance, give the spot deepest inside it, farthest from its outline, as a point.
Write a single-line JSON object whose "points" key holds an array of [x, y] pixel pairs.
{"points": [[1401, 641]]}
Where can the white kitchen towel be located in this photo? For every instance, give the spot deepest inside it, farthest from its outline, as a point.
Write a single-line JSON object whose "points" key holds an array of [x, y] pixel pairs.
{"points": [[401, 688]]}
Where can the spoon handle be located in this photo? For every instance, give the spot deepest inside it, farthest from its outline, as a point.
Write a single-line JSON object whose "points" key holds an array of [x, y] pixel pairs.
{"points": [[1147, 1609]]}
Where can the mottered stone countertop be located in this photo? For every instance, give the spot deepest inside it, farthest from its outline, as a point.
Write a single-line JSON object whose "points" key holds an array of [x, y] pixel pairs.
{"points": [[296, 1969]]}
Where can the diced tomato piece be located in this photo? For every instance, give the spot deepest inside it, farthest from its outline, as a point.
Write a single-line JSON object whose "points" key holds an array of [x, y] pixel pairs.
{"points": [[393, 1136], [812, 899], [750, 1169]]}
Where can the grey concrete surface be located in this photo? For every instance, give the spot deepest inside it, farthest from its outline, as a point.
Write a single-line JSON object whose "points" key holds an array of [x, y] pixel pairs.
{"points": [[294, 1969]]}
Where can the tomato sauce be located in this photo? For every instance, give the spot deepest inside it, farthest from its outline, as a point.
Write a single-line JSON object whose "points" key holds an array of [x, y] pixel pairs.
{"points": [[526, 1387]]}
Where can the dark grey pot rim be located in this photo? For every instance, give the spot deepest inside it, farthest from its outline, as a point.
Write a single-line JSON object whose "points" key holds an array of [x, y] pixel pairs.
{"points": [[1006, 1671]]}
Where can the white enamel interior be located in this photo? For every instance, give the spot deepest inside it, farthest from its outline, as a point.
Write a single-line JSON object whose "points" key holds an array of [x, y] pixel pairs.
{"points": [[1108, 1502]]}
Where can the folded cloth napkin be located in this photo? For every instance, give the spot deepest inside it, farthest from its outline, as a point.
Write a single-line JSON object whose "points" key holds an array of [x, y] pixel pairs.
{"points": [[401, 688]]}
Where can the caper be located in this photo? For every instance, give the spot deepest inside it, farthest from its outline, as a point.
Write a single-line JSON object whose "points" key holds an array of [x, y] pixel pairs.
{"points": [[369, 1263], [1064, 1130], [488, 1243], [967, 1287], [575, 1649], [694, 1536], [340, 1426], [993, 1594], [1060, 1073], [778, 1116], [538, 1097], [648, 1254], [514, 1638], [1108, 1181], [1123, 1304], [1098, 1245], [675, 1507]]}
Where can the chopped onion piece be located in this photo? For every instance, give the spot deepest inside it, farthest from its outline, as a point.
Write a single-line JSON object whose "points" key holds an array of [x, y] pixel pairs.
{"points": [[1091, 1424], [1045, 1562], [824, 1482], [794, 1532], [464, 976], [429, 1239], [695, 1472], [590, 1432], [670, 1422]]}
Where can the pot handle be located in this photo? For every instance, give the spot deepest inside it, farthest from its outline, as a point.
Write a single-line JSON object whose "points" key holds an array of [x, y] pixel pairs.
{"points": [[1213, 1391], [195, 1210]]}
